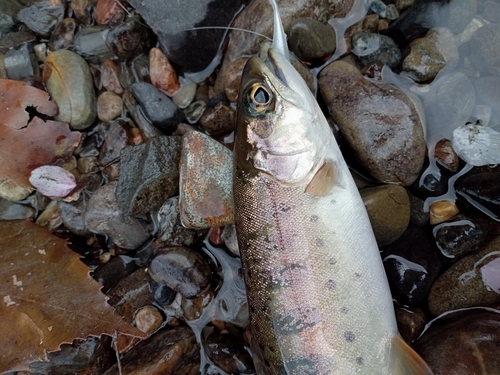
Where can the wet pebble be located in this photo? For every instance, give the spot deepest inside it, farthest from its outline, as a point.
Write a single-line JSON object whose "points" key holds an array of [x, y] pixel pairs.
{"points": [[411, 323], [63, 35], [446, 156], [195, 110], [69, 82], [391, 147], [441, 211], [162, 73], [109, 106], [417, 214], [72, 216], [373, 47], [482, 190], [104, 216], [20, 63], [172, 350], [459, 237], [108, 12], [148, 319], [162, 294], [229, 353], [412, 264], [110, 77], [117, 138], [149, 174], [157, 106], [206, 175], [218, 120], [192, 308], [388, 208], [185, 95], [311, 40], [463, 343], [181, 269], [15, 211], [50, 217], [430, 54], [83, 10], [232, 79], [43, 16], [466, 283], [12, 192], [90, 43]]}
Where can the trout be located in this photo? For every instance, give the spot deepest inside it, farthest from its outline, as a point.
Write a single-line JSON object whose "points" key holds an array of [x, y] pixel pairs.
{"points": [[318, 296]]}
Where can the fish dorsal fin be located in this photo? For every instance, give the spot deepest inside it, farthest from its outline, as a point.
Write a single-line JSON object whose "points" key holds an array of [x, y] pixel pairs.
{"points": [[279, 36], [323, 180], [405, 361]]}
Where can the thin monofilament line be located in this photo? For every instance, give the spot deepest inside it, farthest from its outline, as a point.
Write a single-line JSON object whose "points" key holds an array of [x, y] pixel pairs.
{"points": [[227, 28]]}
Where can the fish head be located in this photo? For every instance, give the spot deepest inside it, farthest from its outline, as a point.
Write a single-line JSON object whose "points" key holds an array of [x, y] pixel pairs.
{"points": [[281, 130]]}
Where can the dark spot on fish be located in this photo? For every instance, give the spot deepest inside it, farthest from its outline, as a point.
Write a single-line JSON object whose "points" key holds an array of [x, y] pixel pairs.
{"points": [[360, 360], [331, 284], [284, 208], [344, 310], [357, 274], [297, 320], [332, 260], [272, 349], [319, 242], [349, 336], [314, 218]]}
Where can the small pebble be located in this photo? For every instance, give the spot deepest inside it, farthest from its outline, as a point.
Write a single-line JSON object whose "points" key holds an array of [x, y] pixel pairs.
{"points": [[148, 319], [162, 73], [441, 211], [185, 95], [218, 120], [109, 106]]}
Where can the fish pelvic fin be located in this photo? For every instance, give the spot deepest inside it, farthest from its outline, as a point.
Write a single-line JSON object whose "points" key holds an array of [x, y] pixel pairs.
{"points": [[405, 361]]}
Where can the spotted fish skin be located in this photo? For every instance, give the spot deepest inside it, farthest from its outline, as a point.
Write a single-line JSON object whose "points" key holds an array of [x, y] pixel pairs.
{"points": [[318, 296]]}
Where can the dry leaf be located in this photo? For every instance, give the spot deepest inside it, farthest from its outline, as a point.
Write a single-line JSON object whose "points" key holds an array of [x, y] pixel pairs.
{"points": [[35, 144], [47, 297]]}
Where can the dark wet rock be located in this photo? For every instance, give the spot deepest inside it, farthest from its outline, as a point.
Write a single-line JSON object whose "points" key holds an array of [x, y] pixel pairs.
{"points": [[109, 12], [162, 294], [143, 123], [195, 110], [218, 120], [14, 211], [72, 216], [460, 14], [170, 21], [43, 16], [149, 174], [162, 73], [91, 356], [311, 40], [69, 82], [109, 106], [63, 35], [104, 216], [148, 319], [117, 138], [232, 79], [20, 62], [417, 214], [110, 274], [491, 11], [90, 43], [192, 308], [230, 353], [372, 47], [411, 323], [131, 293], [140, 66], [430, 54], [459, 237], [463, 343], [412, 264], [403, 4], [110, 77], [171, 232], [446, 156], [482, 190], [127, 76], [172, 350], [83, 10], [485, 58], [388, 208], [181, 269], [391, 147], [206, 175], [131, 38], [16, 38], [466, 283], [157, 106]]}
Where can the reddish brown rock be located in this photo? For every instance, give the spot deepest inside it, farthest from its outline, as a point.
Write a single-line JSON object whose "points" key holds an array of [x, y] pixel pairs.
{"points": [[446, 156], [162, 73], [109, 12], [109, 77]]}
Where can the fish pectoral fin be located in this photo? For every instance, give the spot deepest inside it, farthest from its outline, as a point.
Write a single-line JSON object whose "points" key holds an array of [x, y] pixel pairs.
{"points": [[324, 180], [405, 361]]}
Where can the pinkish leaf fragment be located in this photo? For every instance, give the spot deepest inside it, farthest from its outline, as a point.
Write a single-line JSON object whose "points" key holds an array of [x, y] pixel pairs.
{"points": [[52, 181]]}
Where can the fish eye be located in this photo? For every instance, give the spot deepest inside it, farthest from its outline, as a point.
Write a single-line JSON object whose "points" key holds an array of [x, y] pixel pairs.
{"points": [[259, 97]]}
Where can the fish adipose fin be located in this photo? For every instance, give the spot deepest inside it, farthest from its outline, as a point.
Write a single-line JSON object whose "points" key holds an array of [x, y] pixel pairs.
{"points": [[405, 361], [324, 180]]}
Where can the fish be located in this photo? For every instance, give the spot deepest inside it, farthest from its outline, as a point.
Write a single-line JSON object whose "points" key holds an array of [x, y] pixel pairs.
{"points": [[319, 301]]}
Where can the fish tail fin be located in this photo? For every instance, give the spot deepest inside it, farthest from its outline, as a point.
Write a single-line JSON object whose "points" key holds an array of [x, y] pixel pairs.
{"points": [[405, 361]]}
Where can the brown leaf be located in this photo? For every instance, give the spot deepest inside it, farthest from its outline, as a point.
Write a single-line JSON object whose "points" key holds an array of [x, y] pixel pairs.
{"points": [[48, 297], [35, 144]]}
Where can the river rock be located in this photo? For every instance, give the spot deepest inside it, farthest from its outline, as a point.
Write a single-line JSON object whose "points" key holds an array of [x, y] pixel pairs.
{"points": [[460, 14], [375, 48], [148, 319], [232, 79], [411, 323], [430, 54], [172, 350], [206, 175], [43, 16], [116, 139], [104, 216], [109, 12], [149, 174], [110, 77], [69, 82], [388, 208], [15, 211], [391, 147], [181, 269], [412, 264], [72, 216], [491, 11], [162, 73], [90, 43], [311, 40], [218, 120], [463, 343], [468, 283], [229, 353], [13, 192], [446, 156], [482, 190]]}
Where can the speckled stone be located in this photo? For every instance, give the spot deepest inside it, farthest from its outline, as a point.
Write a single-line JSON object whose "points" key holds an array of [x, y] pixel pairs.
{"points": [[109, 106], [310, 39]]}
